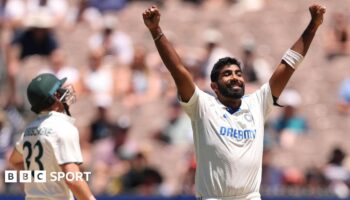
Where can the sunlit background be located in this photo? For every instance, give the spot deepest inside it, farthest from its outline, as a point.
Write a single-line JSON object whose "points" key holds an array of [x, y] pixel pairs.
{"points": [[135, 139]]}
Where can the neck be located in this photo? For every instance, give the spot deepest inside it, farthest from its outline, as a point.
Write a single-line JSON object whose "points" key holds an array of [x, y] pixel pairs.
{"points": [[232, 103], [49, 110], [57, 106]]}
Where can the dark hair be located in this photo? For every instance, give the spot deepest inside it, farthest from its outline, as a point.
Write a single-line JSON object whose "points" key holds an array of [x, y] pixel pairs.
{"points": [[337, 156], [222, 62]]}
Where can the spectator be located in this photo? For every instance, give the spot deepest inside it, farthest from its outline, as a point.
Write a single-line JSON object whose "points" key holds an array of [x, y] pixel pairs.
{"points": [[85, 14], [59, 67], [108, 154], [272, 176], [188, 187], [6, 141], [337, 174], [240, 7], [107, 5], [315, 181], [14, 12], [159, 3], [337, 38], [37, 39], [98, 79], [145, 83], [293, 177], [2, 12], [113, 41], [120, 134], [92, 12], [58, 9], [289, 125], [213, 51], [100, 127], [178, 131], [249, 73], [256, 70], [141, 178], [344, 94], [195, 2]]}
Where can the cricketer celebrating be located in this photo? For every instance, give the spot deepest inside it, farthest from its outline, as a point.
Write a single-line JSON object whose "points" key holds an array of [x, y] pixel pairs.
{"points": [[51, 142], [229, 128]]}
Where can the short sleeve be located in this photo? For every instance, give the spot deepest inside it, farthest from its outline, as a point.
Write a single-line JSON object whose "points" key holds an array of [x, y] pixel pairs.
{"points": [[192, 107], [264, 99], [195, 108], [68, 148]]}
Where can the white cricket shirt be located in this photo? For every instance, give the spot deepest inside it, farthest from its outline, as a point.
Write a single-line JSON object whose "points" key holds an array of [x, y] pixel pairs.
{"points": [[48, 142], [228, 146]]}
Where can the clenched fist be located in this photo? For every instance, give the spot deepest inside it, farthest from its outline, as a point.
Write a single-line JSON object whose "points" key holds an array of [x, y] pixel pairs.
{"points": [[151, 17], [317, 12]]}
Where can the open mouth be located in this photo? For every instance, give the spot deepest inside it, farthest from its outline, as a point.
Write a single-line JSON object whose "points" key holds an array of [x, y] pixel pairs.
{"points": [[235, 87]]}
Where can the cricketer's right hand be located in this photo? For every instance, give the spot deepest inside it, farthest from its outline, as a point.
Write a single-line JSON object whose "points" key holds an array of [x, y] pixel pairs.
{"points": [[151, 17]]}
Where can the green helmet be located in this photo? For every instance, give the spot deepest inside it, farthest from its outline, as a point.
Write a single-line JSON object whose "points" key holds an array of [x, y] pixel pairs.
{"points": [[41, 91]]}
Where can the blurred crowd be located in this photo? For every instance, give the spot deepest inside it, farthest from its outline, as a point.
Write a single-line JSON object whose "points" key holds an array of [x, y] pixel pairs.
{"points": [[134, 136]]}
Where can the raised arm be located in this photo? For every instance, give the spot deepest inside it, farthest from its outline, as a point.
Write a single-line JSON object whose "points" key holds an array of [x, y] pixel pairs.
{"points": [[294, 56], [172, 61]]}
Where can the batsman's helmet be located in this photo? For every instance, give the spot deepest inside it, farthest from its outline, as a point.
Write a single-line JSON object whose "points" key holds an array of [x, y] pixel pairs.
{"points": [[41, 91]]}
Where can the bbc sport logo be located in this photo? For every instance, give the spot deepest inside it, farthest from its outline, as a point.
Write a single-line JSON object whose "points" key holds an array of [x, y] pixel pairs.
{"points": [[40, 176]]}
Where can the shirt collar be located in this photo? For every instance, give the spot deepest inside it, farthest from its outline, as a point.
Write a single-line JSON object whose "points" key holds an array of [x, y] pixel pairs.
{"points": [[57, 114], [222, 106]]}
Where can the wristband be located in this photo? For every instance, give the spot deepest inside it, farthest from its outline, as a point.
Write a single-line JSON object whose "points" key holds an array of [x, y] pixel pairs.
{"points": [[292, 58], [158, 36]]}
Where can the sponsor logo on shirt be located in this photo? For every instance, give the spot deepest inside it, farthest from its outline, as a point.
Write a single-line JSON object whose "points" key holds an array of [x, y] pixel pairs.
{"points": [[239, 134], [248, 117]]}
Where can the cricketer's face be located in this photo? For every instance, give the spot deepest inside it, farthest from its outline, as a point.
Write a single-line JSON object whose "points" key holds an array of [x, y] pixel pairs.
{"points": [[231, 82], [64, 98]]}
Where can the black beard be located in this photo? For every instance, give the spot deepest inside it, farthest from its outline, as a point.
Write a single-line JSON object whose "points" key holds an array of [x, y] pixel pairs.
{"points": [[230, 93]]}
